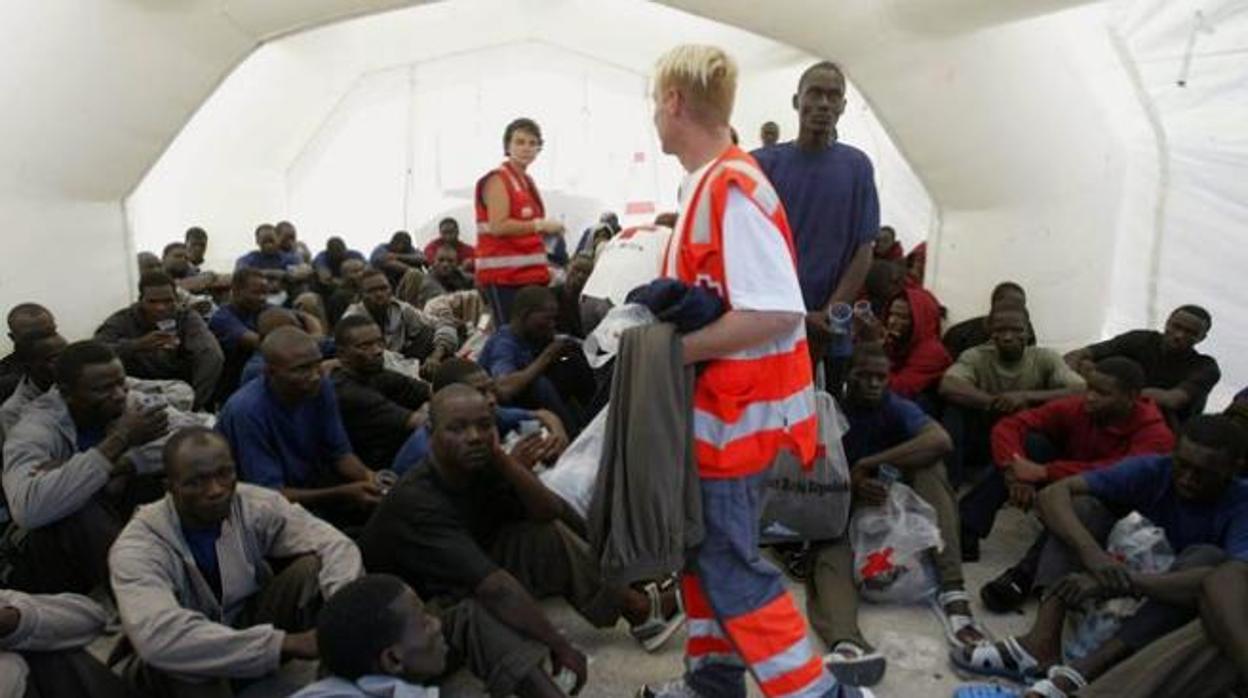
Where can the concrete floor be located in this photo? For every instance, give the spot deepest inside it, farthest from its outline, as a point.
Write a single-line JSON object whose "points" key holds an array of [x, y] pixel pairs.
{"points": [[909, 636]]}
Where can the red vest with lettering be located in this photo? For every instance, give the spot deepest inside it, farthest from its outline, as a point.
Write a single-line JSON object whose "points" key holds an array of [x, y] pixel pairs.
{"points": [[511, 260], [751, 404]]}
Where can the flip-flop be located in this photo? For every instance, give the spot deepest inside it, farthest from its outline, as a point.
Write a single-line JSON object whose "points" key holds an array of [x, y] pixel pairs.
{"points": [[1048, 687], [985, 690], [985, 659], [852, 665]]}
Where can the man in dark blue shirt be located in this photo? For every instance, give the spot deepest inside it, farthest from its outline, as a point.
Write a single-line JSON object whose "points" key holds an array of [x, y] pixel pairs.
{"points": [[286, 433], [1194, 495], [531, 367], [885, 428], [235, 326], [828, 191]]}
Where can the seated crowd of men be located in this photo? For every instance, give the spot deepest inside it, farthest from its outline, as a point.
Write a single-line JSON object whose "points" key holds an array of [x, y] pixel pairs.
{"points": [[230, 453]]}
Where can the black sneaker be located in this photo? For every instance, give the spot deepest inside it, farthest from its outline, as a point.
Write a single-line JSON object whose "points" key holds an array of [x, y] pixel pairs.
{"points": [[1008, 592]]}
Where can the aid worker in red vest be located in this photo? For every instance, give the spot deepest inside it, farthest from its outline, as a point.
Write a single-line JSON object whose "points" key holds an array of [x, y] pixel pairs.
{"points": [[511, 219], [753, 396]]}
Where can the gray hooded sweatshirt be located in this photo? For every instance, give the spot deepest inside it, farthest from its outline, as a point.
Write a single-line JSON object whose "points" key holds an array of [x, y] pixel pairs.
{"points": [[45, 477], [168, 609], [47, 623]]}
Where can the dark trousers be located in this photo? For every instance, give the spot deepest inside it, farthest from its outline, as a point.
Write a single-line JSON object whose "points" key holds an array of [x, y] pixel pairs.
{"points": [[70, 555], [1155, 618], [290, 601], [970, 430], [495, 653], [58, 675], [979, 507], [549, 560]]}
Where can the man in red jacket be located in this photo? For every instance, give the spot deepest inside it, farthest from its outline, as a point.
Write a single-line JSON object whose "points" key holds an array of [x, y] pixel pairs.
{"points": [[912, 340], [1070, 436]]}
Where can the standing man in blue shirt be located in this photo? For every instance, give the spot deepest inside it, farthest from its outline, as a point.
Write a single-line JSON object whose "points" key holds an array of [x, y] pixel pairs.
{"points": [[828, 192], [286, 433]]}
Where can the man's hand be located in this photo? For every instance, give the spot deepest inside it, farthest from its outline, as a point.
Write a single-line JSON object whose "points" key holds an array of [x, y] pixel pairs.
{"points": [[1028, 471], [1022, 494], [565, 656], [867, 490], [300, 645], [10, 617], [139, 425], [1076, 588], [363, 494], [528, 450], [867, 329], [548, 226], [818, 327], [1009, 403], [156, 340], [556, 348], [1111, 574]]}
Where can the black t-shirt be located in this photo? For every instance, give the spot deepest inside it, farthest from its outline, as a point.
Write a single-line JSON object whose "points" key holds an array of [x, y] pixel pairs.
{"points": [[1196, 373], [375, 410], [436, 538]]}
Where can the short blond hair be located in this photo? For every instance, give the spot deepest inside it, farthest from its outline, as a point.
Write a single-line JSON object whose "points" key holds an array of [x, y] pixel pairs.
{"points": [[705, 75]]}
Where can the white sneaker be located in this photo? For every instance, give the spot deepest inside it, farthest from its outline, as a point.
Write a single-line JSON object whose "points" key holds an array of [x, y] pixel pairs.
{"points": [[671, 689]]}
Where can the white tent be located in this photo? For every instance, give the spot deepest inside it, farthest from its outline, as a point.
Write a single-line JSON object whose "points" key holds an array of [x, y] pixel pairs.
{"points": [[1093, 151]]}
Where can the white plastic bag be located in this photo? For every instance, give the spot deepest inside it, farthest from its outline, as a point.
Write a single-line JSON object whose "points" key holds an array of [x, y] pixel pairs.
{"points": [[891, 544], [810, 505], [1142, 547], [604, 342], [573, 476]]}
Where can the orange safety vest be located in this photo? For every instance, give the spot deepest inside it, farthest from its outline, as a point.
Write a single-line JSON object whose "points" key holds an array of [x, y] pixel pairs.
{"points": [[511, 260], [751, 404]]}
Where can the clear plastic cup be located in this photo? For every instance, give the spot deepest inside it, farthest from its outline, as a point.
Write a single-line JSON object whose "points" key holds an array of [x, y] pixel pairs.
{"points": [[385, 480]]}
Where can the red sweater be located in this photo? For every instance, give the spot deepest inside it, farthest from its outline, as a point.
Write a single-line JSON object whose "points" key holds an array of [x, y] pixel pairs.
{"points": [[1084, 446], [919, 364]]}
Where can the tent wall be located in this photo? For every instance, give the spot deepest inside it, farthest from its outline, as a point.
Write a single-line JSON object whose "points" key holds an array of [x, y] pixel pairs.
{"points": [[393, 134]]}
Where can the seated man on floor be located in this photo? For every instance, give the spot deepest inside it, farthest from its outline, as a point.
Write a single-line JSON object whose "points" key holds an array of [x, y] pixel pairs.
{"points": [[472, 522], [377, 638], [234, 325], [1176, 376], [444, 276], [1066, 437], [1193, 495], [158, 339], [1206, 658], [274, 317], [448, 236], [176, 261], [23, 319], [288, 240], [43, 642], [976, 331], [1001, 377], [380, 408], [407, 330], [328, 263], [885, 428], [347, 291], [283, 269], [542, 448], [912, 340], [68, 467], [191, 573], [38, 352], [286, 433], [532, 367], [396, 257], [569, 321]]}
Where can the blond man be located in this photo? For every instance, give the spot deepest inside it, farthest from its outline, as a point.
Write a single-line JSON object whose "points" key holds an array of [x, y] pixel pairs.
{"points": [[753, 396]]}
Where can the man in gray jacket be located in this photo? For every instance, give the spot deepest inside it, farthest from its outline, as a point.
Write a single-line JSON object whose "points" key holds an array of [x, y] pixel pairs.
{"points": [[41, 647], [192, 577], [68, 464]]}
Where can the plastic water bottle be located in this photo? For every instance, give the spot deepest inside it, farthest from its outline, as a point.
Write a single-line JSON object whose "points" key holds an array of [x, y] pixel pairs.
{"points": [[887, 474], [840, 315]]}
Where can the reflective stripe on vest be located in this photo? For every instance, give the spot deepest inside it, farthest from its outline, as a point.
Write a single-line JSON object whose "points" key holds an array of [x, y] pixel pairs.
{"points": [[753, 403], [511, 260]]}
